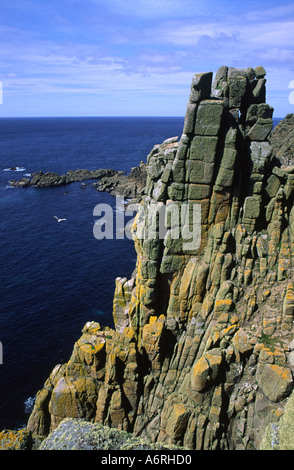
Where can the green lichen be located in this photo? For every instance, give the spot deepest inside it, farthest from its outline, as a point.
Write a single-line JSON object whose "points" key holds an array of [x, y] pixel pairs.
{"points": [[280, 436]]}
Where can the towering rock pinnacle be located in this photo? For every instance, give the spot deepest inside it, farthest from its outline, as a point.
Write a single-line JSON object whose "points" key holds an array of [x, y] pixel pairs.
{"points": [[201, 353]]}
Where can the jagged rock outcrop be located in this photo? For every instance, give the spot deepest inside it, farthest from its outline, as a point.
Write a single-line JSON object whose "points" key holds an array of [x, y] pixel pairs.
{"points": [[201, 354], [130, 185]]}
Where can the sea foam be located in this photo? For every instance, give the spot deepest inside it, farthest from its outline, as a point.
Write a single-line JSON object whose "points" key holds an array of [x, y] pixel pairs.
{"points": [[17, 168], [29, 405]]}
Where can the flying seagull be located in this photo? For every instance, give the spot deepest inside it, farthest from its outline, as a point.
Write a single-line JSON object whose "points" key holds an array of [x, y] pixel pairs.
{"points": [[58, 219]]}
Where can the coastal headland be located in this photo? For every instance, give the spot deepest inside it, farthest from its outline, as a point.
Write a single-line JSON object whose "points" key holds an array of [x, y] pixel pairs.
{"points": [[202, 353]]}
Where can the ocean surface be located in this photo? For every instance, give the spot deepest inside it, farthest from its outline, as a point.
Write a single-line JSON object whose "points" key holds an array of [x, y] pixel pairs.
{"points": [[55, 277]]}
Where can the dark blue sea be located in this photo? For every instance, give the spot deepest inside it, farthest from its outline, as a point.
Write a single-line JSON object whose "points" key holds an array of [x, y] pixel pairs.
{"points": [[55, 277]]}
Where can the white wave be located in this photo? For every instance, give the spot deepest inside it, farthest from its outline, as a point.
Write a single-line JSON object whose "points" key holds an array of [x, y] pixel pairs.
{"points": [[16, 168], [29, 404]]}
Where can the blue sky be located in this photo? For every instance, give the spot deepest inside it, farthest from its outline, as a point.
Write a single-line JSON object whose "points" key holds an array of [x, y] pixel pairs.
{"points": [[136, 57]]}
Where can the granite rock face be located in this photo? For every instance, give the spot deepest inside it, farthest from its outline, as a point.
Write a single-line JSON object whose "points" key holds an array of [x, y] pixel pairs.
{"points": [[201, 355]]}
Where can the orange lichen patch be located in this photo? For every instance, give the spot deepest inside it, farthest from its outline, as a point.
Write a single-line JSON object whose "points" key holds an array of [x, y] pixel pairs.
{"points": [[278, 413], [214, 414], [91, 327], [15, 440], [229, 330], [152, 329], [178, 420], [242, 343], [282, 372], [206, 370], [275, 381], [200, 375], [89, 349], [129, 334], [223, 305]]}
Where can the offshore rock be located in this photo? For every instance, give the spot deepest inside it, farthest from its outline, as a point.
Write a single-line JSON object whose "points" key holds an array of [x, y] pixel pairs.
{"points": [[201, 355], [119, 183], [49, 179], [130, 185]]}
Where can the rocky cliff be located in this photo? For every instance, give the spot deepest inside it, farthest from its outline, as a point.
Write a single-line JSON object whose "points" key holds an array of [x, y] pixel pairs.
{"points": [[202, 352]]}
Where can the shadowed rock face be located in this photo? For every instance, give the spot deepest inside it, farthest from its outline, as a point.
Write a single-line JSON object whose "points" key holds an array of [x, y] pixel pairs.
{"points": [[282, 140], [201, 353]]}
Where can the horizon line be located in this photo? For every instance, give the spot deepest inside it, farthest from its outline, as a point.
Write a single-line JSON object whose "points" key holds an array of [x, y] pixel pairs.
{"points": [[89, 116], [106, 116]]}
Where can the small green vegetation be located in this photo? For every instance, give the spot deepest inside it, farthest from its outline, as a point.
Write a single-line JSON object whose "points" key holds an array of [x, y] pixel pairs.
{"points": [[270, 342]]}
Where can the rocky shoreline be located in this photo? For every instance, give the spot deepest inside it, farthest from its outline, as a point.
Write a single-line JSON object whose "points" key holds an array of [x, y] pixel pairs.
{"points": [[121, 184], [202, 352]]}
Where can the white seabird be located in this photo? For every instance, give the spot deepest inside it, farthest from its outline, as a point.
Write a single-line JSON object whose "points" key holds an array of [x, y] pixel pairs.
{"points": [[58, 219]]}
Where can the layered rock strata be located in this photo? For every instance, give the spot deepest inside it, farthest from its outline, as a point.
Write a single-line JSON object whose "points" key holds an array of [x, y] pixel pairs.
{"points": [[201, 355]]}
